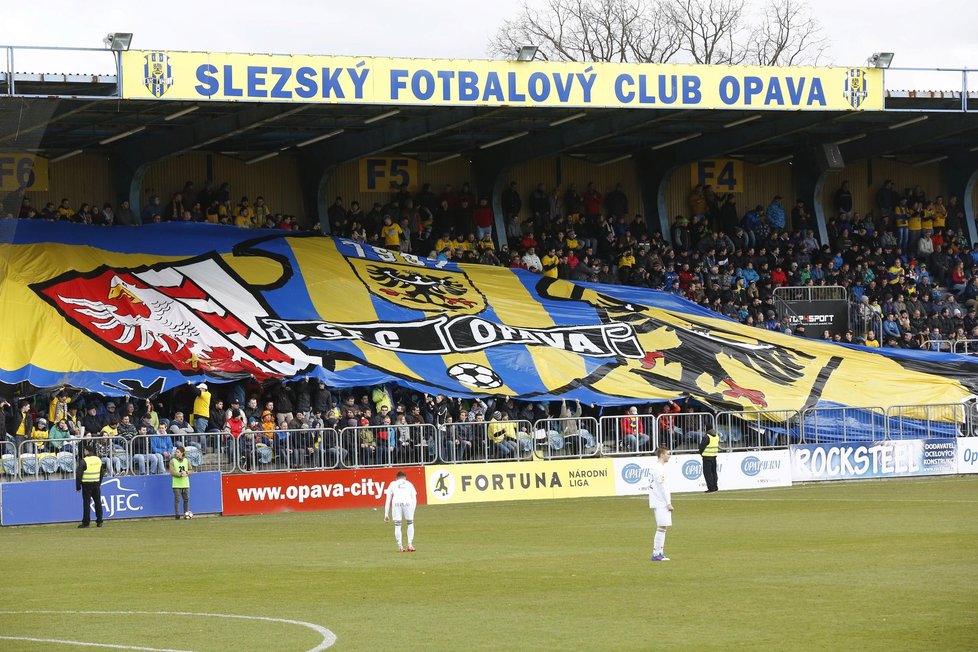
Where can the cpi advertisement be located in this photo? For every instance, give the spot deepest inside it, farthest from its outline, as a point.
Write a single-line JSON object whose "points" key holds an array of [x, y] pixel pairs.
{"points": [[684, 473], [128, 496], [478, 483], [266, 493], [884, 459]]}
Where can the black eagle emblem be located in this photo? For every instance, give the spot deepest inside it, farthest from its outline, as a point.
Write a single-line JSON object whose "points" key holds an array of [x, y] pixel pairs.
{"points": [[423, 289]]}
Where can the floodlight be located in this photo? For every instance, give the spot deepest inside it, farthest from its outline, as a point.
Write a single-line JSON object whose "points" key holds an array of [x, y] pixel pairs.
{"points": [[527, 53], [118, 41], [881, 59]]}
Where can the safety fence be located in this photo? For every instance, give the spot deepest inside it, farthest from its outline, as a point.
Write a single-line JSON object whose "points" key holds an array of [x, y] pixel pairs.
{"points": [[961, 347], [484, 441]]}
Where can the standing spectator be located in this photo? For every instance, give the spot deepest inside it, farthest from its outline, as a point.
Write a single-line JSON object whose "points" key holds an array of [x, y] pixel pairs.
{"points": [[843, 199], [180, 480], [775, 213], [337, 217], [402, 500], [512, 204], [202, 411], [539, 205], [887, 199], [799, 217], [151, 211], [729, 218], [20, 424], [593, 200], [660, 500], [88, 480], [124, 216], [391, 234], [482, 217], [901, 222], [549, 263], [616, 202]]}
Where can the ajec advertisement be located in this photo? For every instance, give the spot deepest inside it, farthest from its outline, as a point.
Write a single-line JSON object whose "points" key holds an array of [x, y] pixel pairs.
{"points": [[882, 459], [127, 496]]}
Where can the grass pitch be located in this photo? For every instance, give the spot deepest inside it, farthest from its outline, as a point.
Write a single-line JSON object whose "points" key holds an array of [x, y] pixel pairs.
{"points": [[865, 565]]}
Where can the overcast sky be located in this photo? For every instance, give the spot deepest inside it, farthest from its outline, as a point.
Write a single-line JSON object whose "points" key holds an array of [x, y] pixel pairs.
{"points": [[940, 33]]}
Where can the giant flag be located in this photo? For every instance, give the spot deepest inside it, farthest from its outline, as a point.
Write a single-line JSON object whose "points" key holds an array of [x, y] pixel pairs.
{"points": [[138, 310]]}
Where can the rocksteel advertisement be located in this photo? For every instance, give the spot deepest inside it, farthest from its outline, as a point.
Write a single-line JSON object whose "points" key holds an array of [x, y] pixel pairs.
{"points": [[883, 459]]}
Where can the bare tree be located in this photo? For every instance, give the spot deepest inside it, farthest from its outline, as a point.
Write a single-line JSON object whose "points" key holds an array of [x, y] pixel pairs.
{"points": [[711, 29], [788, 35], [659, 31], [590, 30]]}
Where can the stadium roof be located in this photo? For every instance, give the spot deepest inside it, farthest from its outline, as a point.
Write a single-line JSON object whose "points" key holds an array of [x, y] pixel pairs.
{"points": [[57, 113]]}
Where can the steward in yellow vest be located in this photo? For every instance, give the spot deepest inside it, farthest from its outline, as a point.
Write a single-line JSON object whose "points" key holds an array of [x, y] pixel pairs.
{"points": [[89, 482], [709, 449]]}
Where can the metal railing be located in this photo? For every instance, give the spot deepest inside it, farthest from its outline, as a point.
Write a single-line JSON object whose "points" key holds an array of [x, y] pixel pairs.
{"points": [[681, 432], [810, 293], [628, 434], [759, 430], [944, 346], [924, 421], [965, 347], [9, 77], [256, 451], [861, 323], [567, 438], [486, 441], [843, 425]]}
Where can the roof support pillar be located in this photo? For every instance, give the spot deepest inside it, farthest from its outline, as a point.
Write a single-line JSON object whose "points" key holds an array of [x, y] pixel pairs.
{"points": [[961, 171]]}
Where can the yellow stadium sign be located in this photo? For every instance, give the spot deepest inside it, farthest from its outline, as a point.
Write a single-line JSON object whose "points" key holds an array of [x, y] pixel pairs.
{"points": [[536, 480], [18, 170], [380, 174], [225, 77], [725, 175]]}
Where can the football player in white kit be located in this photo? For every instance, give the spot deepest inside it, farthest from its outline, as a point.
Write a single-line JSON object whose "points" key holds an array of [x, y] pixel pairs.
{"points": [[660, 500], [402, 498]]}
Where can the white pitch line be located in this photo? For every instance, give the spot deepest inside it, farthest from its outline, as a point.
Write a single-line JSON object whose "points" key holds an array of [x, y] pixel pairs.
{"points": [[61, 641], [328, 637], [846, 500]]}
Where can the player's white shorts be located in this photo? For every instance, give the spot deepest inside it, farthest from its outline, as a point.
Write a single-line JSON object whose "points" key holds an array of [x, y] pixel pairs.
{"points": [[402, 512], [663, 517]]}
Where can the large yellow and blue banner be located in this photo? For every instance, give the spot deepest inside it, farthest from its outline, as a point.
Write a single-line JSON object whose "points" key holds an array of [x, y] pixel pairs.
{"points": [[227, 77], [141, 310]]}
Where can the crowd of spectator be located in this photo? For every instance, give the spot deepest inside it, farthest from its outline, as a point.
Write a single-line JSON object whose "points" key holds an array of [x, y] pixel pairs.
{"points": [[288, 421], [208, 204], [908, 266]]}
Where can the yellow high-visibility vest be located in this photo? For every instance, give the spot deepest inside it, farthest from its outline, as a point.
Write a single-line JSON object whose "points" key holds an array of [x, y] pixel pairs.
{"points": [[712, 446], [93, 469]]}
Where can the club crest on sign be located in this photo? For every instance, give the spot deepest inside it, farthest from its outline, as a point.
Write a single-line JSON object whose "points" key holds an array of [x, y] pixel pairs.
{"points": [[157, 73], [855, 89]]}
